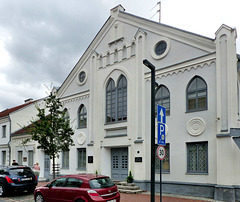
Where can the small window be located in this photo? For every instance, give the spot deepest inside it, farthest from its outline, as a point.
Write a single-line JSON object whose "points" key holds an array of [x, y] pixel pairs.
{"points": [[160, 47], [124, 53], [100, 61], [133, 49], [81, 152], [65, 159], [82, 117], [82, 76], [115, 56], [30, 158], [197, 157], [196, 95], [162, 98], [4, 158], [20, 157], [108, 59], [4, 131]]}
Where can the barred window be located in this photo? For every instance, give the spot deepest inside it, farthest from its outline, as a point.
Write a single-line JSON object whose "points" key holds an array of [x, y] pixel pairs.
{"points": [[196, 94], [82, 117], [197, 157], [165, 161], [162, 97], [81, 155]]}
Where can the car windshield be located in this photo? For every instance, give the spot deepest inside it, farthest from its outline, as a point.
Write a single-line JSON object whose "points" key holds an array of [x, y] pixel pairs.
{"points": [[101, 183], [20, 171]]}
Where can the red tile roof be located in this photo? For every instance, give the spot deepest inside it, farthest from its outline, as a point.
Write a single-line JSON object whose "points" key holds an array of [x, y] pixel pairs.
{"points": [[6, 112]]}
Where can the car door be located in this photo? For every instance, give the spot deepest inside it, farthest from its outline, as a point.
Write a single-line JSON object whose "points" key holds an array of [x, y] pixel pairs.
{"points": [[56, 190], [71, 189]]}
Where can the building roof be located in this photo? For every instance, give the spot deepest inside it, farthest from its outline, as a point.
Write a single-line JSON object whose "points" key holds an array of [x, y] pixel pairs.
{"points": [[6, 112]]}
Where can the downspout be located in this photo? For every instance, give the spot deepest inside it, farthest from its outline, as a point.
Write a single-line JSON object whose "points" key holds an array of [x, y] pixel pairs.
{"points": [[9, 147]]}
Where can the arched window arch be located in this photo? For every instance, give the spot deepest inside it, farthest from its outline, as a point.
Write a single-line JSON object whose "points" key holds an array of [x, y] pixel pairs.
{"points": [[116, 100], [196, 94], [82, 117], [162, 97]]}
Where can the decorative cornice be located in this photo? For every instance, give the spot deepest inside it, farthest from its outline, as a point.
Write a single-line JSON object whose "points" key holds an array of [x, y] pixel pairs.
{"points": [[180, 68], [75, 98]]}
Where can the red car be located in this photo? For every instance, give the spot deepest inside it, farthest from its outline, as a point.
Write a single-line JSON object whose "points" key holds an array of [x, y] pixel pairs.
{"points": [[79, 188]]}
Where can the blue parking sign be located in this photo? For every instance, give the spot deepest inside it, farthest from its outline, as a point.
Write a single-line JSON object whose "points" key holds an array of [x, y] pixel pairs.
{"points": [[161, 134], [161, 114]]}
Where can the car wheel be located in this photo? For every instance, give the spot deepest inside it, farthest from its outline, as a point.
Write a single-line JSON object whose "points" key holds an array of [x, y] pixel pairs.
{"points": [[39, 198], [3, 191]]}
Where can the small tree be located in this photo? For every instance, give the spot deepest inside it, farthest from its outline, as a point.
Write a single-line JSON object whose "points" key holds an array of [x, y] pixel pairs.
{"points": [[52, 129]]}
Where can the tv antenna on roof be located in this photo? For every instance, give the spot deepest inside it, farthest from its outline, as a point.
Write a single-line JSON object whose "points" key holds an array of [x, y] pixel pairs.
{"points": [[158, 11]]}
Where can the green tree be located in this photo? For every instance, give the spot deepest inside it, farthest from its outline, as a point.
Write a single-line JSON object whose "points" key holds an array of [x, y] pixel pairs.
{"points": [[52, 129]]}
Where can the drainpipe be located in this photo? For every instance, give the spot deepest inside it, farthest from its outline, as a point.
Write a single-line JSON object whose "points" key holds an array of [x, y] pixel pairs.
{"points": [[9, 147]]}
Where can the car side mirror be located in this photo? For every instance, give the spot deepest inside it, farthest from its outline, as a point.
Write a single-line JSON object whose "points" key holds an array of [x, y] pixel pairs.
{"points": [[49, 185]]}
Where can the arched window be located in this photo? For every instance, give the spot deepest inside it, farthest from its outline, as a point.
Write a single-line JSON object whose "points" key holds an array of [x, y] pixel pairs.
{"points": [[122, 98], [116, 100], [82, 117], [196, 94], [111, 102], [162, 97]]}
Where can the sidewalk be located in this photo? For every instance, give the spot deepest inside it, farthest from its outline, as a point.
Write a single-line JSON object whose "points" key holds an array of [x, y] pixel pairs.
{"points": [[145, 197]]}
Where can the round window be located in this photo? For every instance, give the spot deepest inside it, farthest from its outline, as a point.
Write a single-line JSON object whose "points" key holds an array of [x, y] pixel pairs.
{"points": [[82, 76], [160, 47]]}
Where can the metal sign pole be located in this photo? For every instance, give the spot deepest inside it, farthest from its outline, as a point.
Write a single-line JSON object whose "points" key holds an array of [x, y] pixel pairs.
{"points": [[152, 68], [160, 180]]}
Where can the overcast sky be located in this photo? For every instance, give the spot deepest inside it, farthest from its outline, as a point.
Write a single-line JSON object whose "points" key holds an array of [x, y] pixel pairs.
{"points": [[42, 40]]}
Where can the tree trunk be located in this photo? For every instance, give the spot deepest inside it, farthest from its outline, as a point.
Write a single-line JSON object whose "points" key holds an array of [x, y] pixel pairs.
{"points": [[54, 167]]}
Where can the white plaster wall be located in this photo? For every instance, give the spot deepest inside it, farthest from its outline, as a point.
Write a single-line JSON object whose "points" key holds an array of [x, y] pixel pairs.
{"points": [[177, 121]]}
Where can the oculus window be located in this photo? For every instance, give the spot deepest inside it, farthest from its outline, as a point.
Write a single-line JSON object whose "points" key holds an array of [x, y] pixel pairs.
{"points": [[160, 48], [81, 78]]}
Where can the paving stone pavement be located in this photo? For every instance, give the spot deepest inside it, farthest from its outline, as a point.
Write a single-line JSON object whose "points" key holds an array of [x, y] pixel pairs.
{"points": [[144, 197]]}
